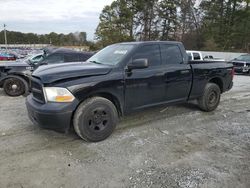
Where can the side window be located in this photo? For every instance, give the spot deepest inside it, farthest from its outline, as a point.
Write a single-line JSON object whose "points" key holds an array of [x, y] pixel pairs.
{"points": [[171, 54], [150, 52], [37, 58], [56, 58], [71, 57], [196, 56], [84, 57]]}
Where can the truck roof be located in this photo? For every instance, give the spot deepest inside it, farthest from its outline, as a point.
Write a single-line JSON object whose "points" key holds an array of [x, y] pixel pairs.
{"points": [[152, 42]]}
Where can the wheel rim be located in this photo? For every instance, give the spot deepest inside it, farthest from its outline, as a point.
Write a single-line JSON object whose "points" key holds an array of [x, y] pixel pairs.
{"points": [[14, 87], [212, 98], [98, 119]]}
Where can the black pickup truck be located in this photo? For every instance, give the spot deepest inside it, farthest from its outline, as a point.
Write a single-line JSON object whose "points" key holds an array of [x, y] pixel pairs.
{"points": [[14, 76], [120, 79]]}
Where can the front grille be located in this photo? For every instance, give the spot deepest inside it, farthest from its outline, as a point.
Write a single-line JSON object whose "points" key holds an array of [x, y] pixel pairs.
{"points": [[37, 90], [238, 64]]}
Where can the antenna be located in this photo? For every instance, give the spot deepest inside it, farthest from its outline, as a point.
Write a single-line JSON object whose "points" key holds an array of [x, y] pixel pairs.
{"points": [[5, 36]]}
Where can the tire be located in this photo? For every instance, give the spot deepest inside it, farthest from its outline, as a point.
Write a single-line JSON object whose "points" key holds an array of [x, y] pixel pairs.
{"points": [[15, 86], [211, 98], [95, 119]]}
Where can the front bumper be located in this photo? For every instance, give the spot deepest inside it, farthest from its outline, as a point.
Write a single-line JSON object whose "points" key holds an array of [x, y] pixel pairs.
{"points": [[54, 116]]}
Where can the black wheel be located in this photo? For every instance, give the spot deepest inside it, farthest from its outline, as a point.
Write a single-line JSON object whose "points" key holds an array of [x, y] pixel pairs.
{"points": [[211, 98], [95, 119], [15, 86]]}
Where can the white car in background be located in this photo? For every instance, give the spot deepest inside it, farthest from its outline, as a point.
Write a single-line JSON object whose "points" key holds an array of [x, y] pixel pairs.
{"points": [[194, 55], [197, 56]]}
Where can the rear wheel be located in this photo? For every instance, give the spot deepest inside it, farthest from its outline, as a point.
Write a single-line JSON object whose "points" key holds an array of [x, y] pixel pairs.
{"points": [[211, 98], [14, 86], [95, 119]]}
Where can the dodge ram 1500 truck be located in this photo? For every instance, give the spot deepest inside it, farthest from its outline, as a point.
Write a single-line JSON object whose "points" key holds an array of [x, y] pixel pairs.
{"points": [[120, 79]]}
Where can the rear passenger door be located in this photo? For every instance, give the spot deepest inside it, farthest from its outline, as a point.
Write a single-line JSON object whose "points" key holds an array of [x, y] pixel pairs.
{"points": [[178, 75]]}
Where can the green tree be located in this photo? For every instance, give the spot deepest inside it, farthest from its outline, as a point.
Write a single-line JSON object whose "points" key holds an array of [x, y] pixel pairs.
{"points": [[116, 23], [226, 22], [167, 12]]}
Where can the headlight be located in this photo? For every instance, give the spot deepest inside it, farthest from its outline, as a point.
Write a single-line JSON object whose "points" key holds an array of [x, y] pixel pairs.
{"points": [[58, 94]]}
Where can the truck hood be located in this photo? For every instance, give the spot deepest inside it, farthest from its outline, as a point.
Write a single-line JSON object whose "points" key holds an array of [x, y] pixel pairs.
{"points": [[237, 61], [65, 71]]}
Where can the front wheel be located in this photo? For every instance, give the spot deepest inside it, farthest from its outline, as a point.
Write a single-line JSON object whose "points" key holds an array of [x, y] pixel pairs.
{"points": [[211, 98], [95, 119], [14, 86]]}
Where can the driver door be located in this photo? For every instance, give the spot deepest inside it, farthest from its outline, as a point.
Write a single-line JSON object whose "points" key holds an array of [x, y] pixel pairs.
{"points": [[145, 87]]}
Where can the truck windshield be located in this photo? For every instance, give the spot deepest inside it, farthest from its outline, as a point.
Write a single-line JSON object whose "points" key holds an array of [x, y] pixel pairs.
{"points": [[111, 55]]}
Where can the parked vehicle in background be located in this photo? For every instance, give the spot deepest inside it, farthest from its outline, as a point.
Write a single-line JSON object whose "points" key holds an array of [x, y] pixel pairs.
{"points": [[197, 56], [242, 64], [32, 59], [14, 76], [194, 55], [211, 58], [120, 79], [7, 57]]}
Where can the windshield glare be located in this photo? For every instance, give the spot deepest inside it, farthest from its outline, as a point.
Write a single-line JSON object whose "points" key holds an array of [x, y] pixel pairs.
{"points": [[243, 58], [111, 55]]}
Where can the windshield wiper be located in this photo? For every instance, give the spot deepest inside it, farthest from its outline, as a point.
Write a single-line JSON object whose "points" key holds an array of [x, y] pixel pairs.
{"points": [[96, 62], [28, 62]]}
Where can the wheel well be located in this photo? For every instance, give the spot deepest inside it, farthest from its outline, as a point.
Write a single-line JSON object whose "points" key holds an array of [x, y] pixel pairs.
{"points": [[16, 76], [217, 81], [108, 96], [112, 98], [21, 77]]}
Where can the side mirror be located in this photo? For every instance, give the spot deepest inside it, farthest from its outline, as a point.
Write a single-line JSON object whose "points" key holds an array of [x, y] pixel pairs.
{"points": [[138, 64]]}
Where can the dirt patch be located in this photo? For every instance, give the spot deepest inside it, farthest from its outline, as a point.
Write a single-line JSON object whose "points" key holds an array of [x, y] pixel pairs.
{"points": [[177, 146]]}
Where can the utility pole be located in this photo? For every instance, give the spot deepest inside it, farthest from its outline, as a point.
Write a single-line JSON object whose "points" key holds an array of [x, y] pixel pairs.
{"points": [[5, 36]]}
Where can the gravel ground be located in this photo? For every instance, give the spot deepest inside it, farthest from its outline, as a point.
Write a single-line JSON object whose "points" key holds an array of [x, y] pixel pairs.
{"points": [[177, 146]]}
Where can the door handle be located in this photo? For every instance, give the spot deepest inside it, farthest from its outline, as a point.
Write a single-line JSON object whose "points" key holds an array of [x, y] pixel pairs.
{"points": [[159, 74]]}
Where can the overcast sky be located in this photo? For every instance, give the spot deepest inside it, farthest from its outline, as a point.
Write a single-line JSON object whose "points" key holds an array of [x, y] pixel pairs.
{"points": [[45, 16]]}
